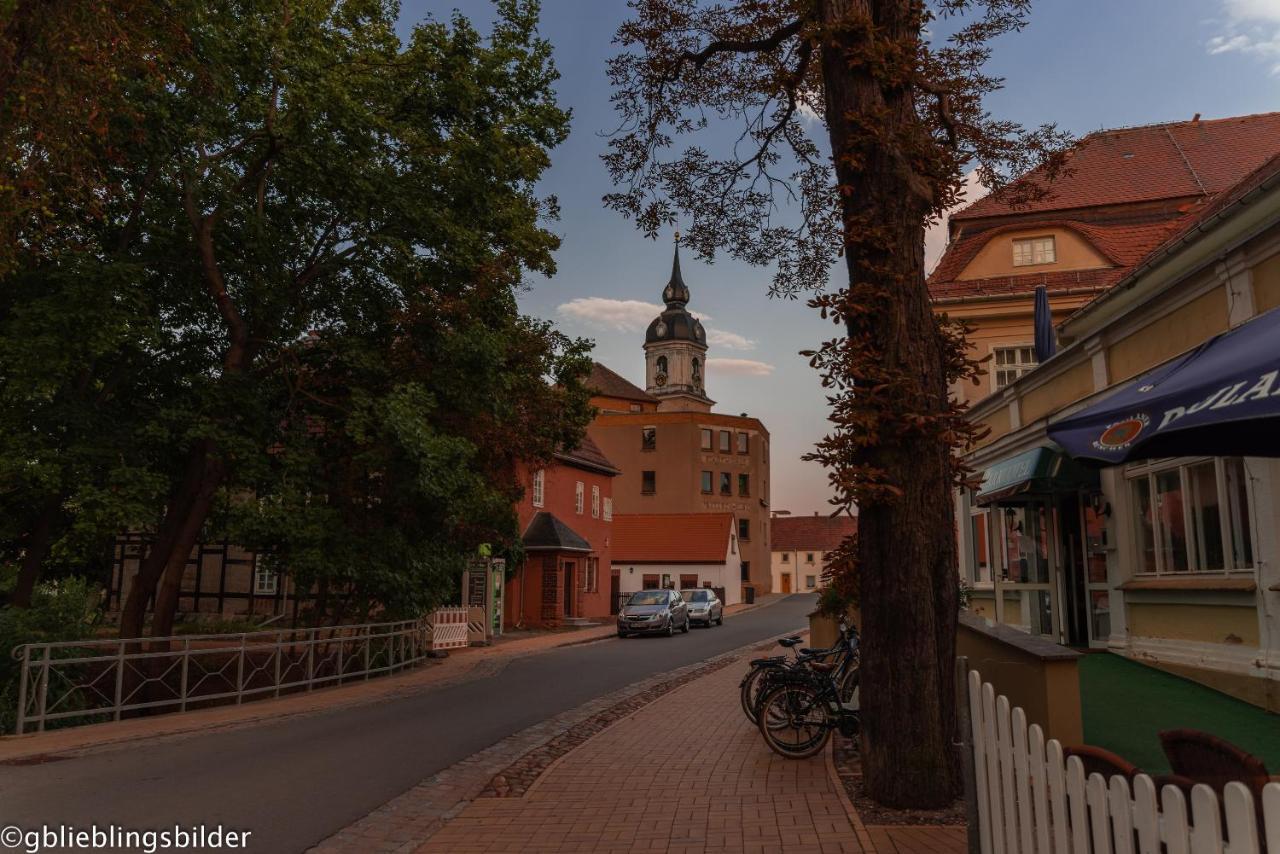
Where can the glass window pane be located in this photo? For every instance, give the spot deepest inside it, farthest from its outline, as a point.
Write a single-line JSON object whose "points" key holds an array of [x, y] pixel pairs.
{"points": [[1173, 525], [1145, 524], [1100, 613], [982, 552], [1026, 545], [1202, 480], [1238, 514]]}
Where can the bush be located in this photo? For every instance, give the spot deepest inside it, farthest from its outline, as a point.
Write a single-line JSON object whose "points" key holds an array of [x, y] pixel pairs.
{"points": [[62, 610]]}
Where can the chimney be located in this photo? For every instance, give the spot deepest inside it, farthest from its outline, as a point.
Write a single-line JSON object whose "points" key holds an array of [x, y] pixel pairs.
{"points": [[1195, 119]]}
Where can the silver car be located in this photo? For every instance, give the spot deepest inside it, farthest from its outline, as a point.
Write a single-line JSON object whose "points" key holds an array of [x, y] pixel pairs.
{"points": [[653, 612], [705, 607]]}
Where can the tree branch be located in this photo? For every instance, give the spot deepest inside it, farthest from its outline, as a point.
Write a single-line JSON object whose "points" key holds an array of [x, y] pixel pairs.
{"points": [[763, 45]]}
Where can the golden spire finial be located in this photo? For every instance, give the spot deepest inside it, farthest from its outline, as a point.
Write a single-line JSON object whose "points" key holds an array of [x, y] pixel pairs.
{"points": [[677, 237]]}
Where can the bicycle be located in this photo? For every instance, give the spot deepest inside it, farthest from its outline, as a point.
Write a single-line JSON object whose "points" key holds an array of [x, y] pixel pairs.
{"points": [[845, 652], [800, 709]]}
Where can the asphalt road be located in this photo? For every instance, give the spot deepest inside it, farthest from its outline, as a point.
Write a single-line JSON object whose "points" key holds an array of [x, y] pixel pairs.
{"points": [[296, 782]]}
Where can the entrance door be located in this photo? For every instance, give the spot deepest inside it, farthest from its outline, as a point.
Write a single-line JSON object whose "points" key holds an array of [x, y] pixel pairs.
{"points": [[615, 591], [786, 582], [570, 573], [1025, 595]]}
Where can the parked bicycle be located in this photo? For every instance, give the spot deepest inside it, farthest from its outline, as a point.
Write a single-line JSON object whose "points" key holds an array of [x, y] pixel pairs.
{"points": [[844, 656], [799, 709]]}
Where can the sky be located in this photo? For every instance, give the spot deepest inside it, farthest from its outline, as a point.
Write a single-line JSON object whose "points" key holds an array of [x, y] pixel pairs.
{"points": [[1083, 64]]}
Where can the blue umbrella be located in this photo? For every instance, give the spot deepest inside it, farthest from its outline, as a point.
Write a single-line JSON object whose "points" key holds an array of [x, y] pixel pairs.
{"points": [[1221, 399], [1046, 343]]}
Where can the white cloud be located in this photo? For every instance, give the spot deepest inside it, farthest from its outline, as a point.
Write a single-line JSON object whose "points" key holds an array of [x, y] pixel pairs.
{"points": [[633, 315], [739, 367], [728, 340], [1252, 28], [621, 315]]}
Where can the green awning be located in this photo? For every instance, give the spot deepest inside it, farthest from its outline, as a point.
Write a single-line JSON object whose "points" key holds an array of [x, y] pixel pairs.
{"points": [[1036, 473]]}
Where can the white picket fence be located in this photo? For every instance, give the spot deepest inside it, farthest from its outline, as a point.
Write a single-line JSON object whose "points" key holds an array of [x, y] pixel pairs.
{"points": [[1033, 801]]}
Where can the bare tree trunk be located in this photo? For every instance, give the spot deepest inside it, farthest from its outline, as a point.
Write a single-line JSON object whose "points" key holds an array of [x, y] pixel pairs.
{"points": [[906, 557], [188, 508], [37, 549]]}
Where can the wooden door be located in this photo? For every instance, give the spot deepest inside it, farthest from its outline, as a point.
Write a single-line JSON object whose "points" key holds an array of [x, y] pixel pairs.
{"points": [[615, 591], [570, 573], [786, 582]]}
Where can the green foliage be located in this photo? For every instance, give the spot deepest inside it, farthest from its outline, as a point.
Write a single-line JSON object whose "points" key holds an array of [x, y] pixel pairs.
{"points": [[64, 610], [303, 264]]}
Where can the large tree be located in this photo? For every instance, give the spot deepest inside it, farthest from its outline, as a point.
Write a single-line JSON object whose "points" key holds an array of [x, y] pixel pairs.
{"points": [[894, 90]]}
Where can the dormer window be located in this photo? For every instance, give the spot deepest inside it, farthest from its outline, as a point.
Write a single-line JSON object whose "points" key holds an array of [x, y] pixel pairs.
{"points": [[1033, 250]]}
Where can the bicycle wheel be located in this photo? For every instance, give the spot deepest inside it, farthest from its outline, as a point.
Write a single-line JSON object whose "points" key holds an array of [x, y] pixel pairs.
{"points": [[849, 690], [749, 692], [795, 720]]}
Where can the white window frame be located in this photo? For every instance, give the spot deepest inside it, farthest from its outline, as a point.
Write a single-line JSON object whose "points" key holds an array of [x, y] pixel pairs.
{"points": [[1228, 525], [1035, 251], [608, 509], [595, 502], [266, 582], [1019, 366], [539, 487], [578, 493]]}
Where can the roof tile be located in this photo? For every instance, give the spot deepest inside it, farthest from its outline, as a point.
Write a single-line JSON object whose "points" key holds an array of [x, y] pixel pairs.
{"points": [[813, 533], [671, 537]]}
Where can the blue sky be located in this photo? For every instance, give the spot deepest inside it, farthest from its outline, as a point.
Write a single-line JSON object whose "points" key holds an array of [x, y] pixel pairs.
{"points": [[1084, 64]]}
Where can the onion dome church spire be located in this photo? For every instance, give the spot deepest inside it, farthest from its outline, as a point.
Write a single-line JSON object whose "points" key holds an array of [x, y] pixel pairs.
{"points": [[675, 346]]}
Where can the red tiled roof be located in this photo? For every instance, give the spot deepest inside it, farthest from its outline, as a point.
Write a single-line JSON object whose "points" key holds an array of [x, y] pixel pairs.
{"points": [[810, 533], [1164, 161], [671, 537], [589, 456], [1123, 245], [605, 382]]}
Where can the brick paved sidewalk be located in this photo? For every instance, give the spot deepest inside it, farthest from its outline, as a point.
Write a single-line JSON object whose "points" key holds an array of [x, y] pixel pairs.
{"points": [[685, 774]]}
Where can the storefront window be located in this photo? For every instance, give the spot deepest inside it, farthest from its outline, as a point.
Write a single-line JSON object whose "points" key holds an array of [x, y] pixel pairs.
{"points": [[983, 554], [1026, 544], [1192, 517]]}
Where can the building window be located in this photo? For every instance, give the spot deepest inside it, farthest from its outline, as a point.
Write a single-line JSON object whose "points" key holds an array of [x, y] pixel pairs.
{"points": [[608, 509], [539, 487], [1013, 362], [697, 373], [1033, 250], [266, 582], [744, 443], [648, 482], [707, 485], [649, 439], [746, 570], [1191, 517], [577, 497], [726, 483], [688, 582], [649, 582], [786, 557], [744, 529], [635, 407], [706, 439], [810, 582], [983, 553], [591, 578], [808, 557], [726, 442], [661, 364], [595, 502], [744, 485]]}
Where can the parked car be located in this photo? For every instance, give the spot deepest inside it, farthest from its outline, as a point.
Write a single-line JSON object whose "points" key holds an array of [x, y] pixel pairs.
{"points": [[653, 612], [705, 607]]}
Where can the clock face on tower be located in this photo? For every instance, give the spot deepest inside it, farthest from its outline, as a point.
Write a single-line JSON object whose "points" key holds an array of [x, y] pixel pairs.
{"points": [[660, 380]]}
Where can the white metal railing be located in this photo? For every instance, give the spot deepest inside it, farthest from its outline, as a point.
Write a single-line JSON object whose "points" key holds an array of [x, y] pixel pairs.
{"points": [[82, 682], [1030, 800]]}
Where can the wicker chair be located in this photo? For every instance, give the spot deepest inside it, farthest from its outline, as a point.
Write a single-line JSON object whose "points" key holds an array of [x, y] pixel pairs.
{"points": [[1198, 757], [1098, 760]]}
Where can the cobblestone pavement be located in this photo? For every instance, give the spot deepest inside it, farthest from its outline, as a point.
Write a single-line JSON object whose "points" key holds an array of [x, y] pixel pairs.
{"points": [[404, 822], [685, 774]]}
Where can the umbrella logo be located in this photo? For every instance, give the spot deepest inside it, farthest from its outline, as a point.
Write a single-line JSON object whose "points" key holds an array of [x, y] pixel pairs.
{"points": [[1121, 434]]}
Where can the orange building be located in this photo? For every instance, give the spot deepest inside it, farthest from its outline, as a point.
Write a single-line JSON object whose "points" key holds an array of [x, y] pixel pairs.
{"points": [[567, 519], [675, 455], [1125, 192]]}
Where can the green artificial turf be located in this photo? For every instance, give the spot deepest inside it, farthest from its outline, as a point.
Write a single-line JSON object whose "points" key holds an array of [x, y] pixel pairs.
{"points": [[1126, 705]]}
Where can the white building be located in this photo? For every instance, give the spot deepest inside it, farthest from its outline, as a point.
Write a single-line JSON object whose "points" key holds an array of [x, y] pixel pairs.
{"points": [[800, 546], [677, 550]]}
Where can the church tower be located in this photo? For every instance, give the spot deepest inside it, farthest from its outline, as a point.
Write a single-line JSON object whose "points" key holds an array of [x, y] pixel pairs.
{"points": [[675, 351]]}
